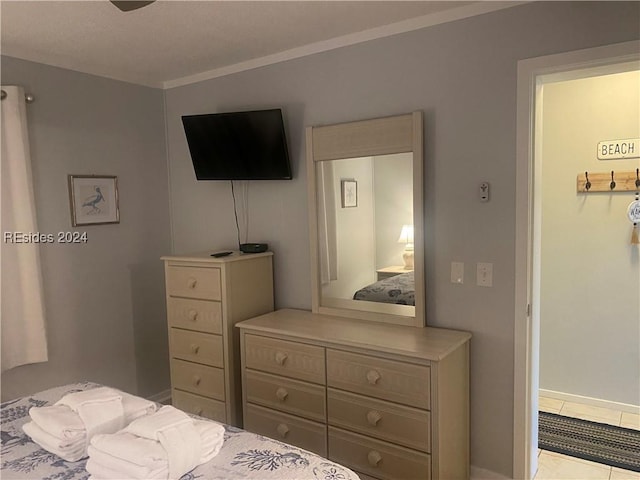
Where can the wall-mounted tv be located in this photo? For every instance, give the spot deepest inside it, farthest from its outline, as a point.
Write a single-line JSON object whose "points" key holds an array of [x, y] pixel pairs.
{"points": [[238, 145]]}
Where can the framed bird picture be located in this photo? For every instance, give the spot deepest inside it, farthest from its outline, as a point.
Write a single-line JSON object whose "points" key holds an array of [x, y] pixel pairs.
{"points": [[94, 199]]}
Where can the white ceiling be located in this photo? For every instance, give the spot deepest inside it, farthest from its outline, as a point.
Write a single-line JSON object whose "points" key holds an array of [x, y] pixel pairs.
{"points": [[171, 43]]}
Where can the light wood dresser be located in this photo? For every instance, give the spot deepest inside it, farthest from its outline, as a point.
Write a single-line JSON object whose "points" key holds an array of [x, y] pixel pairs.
{"points": [[206, 297], [390, 402]]}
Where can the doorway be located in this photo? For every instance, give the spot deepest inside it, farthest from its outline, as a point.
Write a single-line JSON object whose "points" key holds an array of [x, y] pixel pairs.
{"points": [[533, 74]]}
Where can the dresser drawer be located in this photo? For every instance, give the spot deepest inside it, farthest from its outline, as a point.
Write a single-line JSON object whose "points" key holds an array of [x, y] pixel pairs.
{"points": [[200, 315], [196, 347], [296, 431], [387, 421], [291, 396], [295, 360], [196, 378], [194, 282], [205, 407], [386, 379], [378, 459]]}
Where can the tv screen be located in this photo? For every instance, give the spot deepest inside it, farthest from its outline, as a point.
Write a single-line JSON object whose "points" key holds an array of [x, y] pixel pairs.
{"points": [[238, 146]]}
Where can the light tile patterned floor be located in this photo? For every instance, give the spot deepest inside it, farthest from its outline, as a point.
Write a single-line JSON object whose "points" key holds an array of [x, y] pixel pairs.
{"points": [[554, 466]]}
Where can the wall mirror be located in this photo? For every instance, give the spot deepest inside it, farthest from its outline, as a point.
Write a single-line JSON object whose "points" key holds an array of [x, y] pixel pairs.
{"points": [[366, 219]]}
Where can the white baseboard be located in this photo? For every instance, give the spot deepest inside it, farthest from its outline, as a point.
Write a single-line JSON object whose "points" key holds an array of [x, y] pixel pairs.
{"points": [[162, 397], [595, 402], [478, 473]]}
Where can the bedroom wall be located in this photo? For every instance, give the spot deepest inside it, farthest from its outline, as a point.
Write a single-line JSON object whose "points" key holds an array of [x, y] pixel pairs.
{"points": [[393, 205], [355, 240], [104, 299], [590, 273], [462, 75]]}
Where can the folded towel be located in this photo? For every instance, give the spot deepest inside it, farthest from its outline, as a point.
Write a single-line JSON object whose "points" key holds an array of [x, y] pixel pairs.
{"points": [[59, 421], [176, 433], [70, 450], [100, 410], [67, 427], [161, 445]]}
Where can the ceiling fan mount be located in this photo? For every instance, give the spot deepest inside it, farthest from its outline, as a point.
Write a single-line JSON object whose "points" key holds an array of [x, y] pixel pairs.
{"points": [[129, 5]]}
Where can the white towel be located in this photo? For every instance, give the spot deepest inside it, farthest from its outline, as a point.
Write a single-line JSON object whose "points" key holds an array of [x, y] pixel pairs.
{"points": [[59, 421], [72, 451], [66, 428], [161, 445], [100, 410]]}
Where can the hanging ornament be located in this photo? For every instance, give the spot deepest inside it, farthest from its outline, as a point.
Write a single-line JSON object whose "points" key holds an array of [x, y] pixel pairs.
{"points": [[633, 212]]}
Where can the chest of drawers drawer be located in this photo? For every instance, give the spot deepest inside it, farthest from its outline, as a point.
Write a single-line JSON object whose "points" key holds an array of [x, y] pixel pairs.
{"points": [[379, 459], [196, 347], [199, 315], [195, 378], [205, 407], [194, 282], [294, 360], [391, 380], [395, 423], [290, 396], [296, 431]]}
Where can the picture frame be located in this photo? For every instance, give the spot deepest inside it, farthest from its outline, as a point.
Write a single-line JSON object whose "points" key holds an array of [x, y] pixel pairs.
{"points": [[349, 190], [93, 199]]}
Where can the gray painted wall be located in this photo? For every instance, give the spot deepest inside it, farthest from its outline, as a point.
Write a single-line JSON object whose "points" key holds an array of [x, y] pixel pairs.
{"points": [[104, 300], [462, 75]]}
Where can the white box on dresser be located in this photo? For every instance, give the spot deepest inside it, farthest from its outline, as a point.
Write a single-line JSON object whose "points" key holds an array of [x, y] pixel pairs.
{"points": [[206, 297], [390, 402]]}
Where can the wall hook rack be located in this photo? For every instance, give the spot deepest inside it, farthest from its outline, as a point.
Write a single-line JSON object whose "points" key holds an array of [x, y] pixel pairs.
{"points": [[590, 182]]}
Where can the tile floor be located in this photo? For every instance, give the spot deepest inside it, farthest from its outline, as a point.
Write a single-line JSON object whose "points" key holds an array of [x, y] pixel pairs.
{"points": [[554, 466]]}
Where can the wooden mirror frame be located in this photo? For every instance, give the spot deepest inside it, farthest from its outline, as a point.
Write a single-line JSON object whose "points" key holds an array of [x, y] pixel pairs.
{"points": [[379, 136]]}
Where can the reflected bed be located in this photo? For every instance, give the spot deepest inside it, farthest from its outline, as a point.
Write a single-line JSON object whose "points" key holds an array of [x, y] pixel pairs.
{"points": [[399, 290]]}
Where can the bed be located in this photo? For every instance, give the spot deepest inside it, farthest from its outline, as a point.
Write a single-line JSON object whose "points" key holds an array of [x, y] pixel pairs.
{"points": [[399, 290], [244, 455]]}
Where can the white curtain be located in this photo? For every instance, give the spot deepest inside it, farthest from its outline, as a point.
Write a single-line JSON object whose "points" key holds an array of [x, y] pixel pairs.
{"points": [[22, 323]]}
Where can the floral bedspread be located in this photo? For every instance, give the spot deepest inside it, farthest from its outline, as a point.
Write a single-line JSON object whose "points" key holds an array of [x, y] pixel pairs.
{"points": [[399, 289], [244, 455]]}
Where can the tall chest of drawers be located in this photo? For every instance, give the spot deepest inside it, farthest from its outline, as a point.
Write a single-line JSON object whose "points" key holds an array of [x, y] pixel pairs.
{"points": [[389, 402], [206, 297]]}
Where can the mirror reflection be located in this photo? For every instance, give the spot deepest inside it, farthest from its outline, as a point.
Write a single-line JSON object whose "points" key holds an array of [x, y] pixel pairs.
{"points": [[365, 230]]}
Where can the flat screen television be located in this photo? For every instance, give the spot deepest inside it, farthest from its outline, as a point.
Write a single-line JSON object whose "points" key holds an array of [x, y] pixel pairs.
{"points": [[238, 146]]}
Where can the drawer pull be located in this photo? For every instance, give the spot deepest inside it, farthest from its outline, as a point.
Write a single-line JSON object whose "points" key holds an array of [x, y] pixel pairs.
{"points": [[192, 282], [374, 458], [195, 349], [283, 430], [282, 394], [196, 380], [373, 417], [193, 315], [373, 377], [197, 411], [281, 357]]}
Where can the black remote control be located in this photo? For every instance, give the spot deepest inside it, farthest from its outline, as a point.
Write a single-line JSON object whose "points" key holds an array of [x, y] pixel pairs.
{"points": [[221, 254]]}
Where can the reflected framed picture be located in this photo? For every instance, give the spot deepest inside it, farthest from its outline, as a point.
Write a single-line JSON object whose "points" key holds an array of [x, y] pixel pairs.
{"points": [[349, 193], [94, 199]]}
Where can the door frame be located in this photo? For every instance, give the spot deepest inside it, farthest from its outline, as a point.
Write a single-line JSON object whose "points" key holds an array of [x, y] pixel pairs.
{"points": [[532, 73]]}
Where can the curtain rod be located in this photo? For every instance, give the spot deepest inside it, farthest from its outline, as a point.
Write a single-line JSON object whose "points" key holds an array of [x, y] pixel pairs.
{"points": [[27, 97]]}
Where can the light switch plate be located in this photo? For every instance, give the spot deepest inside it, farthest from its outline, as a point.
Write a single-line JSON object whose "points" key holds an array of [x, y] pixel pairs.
{"points": [[483, 192], [484, 275]]}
